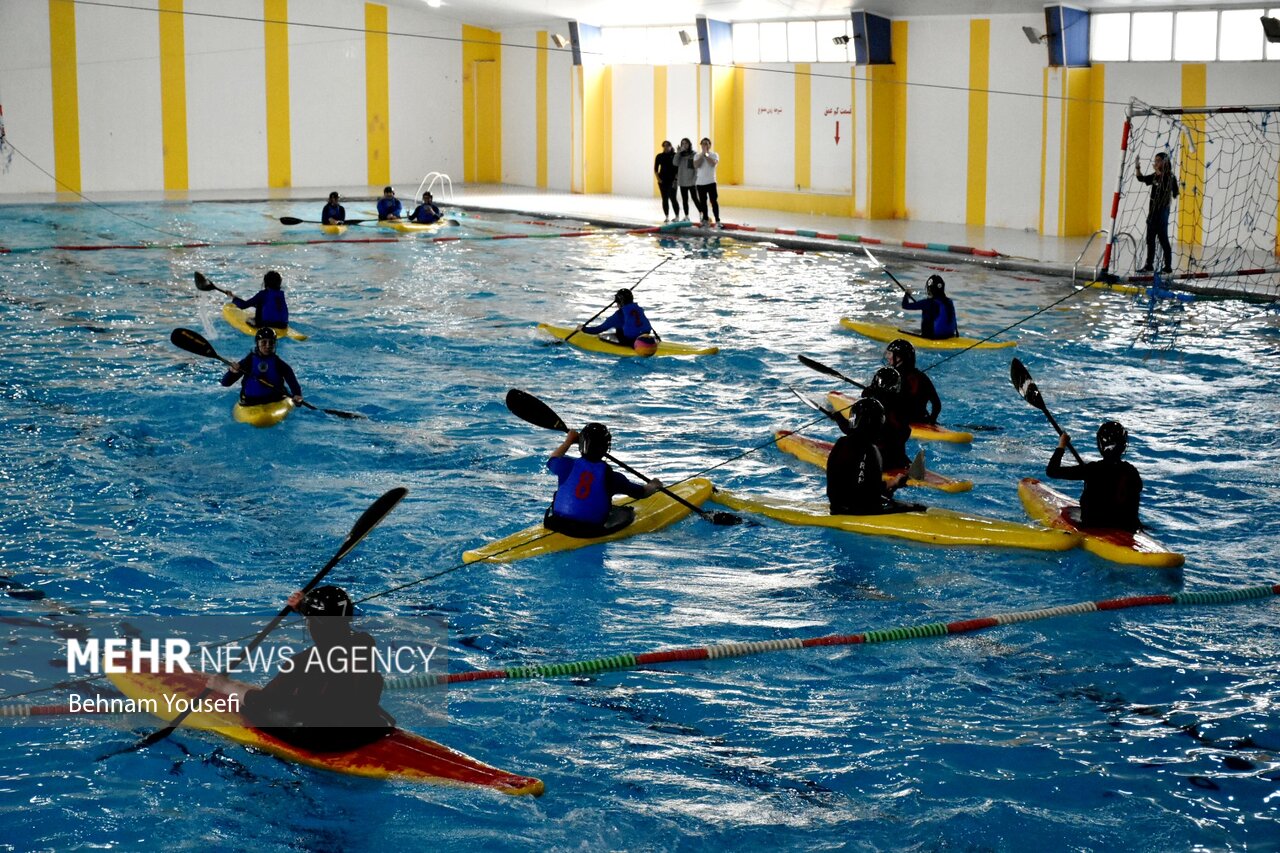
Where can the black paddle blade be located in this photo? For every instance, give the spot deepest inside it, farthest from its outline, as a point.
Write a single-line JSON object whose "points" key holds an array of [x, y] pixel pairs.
{"points": [[529, 408], [726, 519], [1022, 381], [350, 416], [192, 342], [290, 220], [365, 523], [817, 365], [813, 405], [203, 283], [154, 737]]}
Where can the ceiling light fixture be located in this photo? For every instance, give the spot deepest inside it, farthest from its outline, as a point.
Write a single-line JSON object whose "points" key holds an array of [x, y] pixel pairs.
{"points": [[841, 40], [1032, 35], [685, 38], [1271, 29], [558, 40]]}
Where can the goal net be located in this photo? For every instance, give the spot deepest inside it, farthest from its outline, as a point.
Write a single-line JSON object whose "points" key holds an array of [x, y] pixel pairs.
{"points": [[1222, 227]]}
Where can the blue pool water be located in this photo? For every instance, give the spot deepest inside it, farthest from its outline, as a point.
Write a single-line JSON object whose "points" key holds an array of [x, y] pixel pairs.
{"points": [[129, 493]]}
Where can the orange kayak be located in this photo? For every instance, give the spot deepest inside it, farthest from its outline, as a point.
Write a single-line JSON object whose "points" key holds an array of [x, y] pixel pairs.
{"points": [[400, 755]]}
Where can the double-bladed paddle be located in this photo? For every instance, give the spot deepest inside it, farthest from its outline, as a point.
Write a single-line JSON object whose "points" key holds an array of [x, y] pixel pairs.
{"points": [[195, 343], [885, 270], [611, 303], [203, 283], [1026, 387], [529, 408], [365, 523], [830, 371], [293, 220], [915, 471]]}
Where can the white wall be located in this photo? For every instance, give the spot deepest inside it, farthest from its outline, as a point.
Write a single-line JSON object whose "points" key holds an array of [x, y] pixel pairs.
{"points": [[327, 118], [425, 96], [768, 128], [682, 105], [1016, 76], [937, 166], [830, 98], [226, 95], [519, 107], [633, 131], [26, 96], [559, 119]]}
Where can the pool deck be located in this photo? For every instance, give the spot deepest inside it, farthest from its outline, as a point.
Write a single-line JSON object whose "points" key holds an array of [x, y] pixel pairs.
{"points": [[935, 242]]}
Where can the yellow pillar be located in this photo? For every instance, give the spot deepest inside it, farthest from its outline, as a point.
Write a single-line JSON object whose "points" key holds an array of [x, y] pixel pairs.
{"points": [[540, 109], [1190, 228], [377, 95], [803, 125], [173, 93], [275, 30], [887, 132], [481, 105], [63, 74], [979, 80]]}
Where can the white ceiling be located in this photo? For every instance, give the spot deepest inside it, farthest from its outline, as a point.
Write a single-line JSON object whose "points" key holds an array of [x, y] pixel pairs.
{"points": [[499, 14]]}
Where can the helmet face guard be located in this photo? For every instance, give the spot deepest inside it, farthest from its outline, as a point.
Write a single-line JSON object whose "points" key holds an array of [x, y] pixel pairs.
{"points": [[888, 380], [269, 336], [866, 415], [594, 441], [901, 354], [1113, 439]]}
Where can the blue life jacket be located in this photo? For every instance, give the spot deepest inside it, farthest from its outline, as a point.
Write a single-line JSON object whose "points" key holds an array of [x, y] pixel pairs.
{"points": [[584, 494], [263, 380], [273, 311], [388, 207], [944, 325], [634, 323]]}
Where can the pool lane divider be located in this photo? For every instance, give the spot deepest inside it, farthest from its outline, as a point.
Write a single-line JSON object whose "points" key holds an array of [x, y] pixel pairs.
{"points": [[908, 632]]}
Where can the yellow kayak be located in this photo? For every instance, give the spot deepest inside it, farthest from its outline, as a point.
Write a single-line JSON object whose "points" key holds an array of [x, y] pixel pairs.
{"points": [[592, 343], [406, 227], [399, 755], [651, 513], [1054, 509], [334, 229], [920, 432], [815, 451], [933, 525], [882, 332], [263, 414], [239, 319]]}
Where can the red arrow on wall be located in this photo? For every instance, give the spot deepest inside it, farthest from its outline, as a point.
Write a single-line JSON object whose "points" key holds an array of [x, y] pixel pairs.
{"points": [[837, 133]]}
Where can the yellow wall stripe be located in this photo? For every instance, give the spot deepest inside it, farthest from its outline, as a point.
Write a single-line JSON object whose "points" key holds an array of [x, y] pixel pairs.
{"points": [[659, 113], [1044, 142], [853, 138], [803, 125], [481, 105], [738, 151], [540, 109], [1097, 148], [275, 30], [809, 203], [1190, 229], [726, 124], [377, 94], [596, 129], [1075, 158], [66, 95], [979, 78], [173, 93], [887, 131]]}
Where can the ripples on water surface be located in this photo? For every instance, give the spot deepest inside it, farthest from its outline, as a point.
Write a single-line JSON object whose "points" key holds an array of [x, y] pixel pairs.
{"points": [[128, 491]]}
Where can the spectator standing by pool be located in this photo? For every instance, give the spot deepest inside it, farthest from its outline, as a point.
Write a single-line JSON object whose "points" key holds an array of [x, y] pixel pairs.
{"points": [[687, 177], [1164, 189], [664, 169], [706, 161]]}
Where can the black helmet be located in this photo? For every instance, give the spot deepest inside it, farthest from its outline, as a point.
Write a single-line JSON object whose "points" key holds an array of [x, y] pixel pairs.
{"points": [[1113, 438], [327, 601], [888, 380], [266, 333], [594, 441], [271, 281], [866, 415], [935, 286], [903, 351], [623, 297]]}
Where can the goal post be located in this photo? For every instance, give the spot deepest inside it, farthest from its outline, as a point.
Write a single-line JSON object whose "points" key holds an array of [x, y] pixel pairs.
{"points": [[1223, 225]]}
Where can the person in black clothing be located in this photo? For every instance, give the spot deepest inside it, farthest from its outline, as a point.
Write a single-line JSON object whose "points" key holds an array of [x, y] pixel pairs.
{"points": [[1112, 487], [664, 168], [333, 212], [886, 389], [313, 705], [919, 397], [1164, 189], [855, 477]]}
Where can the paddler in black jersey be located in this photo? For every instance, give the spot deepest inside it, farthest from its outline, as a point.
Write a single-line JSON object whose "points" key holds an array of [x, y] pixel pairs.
{"points": [[886, 389], [583, 505], [1112, 486], [263, 374], [325, 698], [855, 481], [919, 398]]}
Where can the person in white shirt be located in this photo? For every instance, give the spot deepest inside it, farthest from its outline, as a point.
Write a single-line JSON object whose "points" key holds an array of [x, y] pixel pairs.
{"points": [[705, 162]]}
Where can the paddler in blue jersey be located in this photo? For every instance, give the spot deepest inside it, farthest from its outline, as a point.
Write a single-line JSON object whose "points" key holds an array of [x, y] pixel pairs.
{"points": [[938, 319], [333, 212], [886, 389], [263, 374], [1112, 486], [919, 397], [269, 305], [626, 324], [583, 505], [427, 212], [855, 481], [325, 698], [389, 206]]}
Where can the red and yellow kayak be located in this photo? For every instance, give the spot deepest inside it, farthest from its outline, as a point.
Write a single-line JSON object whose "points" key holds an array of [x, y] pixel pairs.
{"points": [[920, 432], [816, 451], [1054, 509], [400, 755]]}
